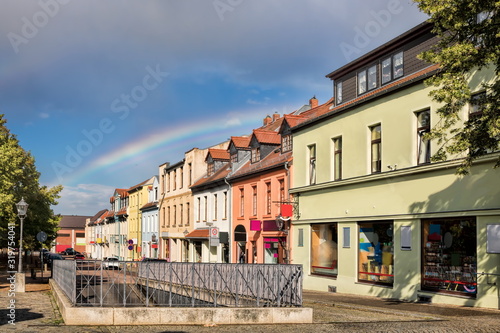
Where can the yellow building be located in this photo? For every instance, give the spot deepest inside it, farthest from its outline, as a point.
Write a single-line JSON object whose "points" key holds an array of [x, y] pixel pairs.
{"points": [[376, 216], [138, 197]]}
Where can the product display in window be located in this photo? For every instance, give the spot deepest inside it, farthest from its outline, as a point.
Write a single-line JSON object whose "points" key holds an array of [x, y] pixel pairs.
{"points": [[376, 259]]}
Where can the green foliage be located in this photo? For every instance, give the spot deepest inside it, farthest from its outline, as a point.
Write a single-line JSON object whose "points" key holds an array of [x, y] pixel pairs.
{"points": [[467, 44], [19, 178]]}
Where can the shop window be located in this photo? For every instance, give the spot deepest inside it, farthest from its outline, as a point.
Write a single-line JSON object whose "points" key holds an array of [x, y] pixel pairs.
{"points": [[376, 259], [324, 255], [273, 250], [449, 256]]}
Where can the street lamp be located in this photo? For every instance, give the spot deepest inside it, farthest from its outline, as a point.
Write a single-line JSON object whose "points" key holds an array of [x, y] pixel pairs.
{"points": [[22, 208]]}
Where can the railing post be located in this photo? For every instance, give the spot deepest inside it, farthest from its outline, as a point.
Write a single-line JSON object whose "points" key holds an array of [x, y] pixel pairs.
{"points": [[124, 283], [100, 287], [192, 284], [73, 296], [141, 265]]}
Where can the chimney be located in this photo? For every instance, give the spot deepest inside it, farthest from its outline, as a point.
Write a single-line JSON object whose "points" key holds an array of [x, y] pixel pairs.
{"points": [[276, 116], [267, 120], [313, 102]]}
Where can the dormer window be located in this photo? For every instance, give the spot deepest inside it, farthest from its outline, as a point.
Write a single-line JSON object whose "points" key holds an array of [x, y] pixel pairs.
{"points": [[392, 68], [210, 168], [338, 92], [255, 154], [286, 143], [234, 157]]}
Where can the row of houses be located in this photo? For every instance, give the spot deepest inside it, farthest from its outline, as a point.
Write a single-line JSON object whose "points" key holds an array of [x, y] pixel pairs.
{"points": [[345, 188]]}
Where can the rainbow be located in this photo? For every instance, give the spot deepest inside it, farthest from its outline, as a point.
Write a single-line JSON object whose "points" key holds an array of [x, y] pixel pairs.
{"points": [[166, 140]]}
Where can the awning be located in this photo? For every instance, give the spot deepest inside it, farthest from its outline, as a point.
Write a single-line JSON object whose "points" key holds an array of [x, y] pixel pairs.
{"points": [[198, 234]]}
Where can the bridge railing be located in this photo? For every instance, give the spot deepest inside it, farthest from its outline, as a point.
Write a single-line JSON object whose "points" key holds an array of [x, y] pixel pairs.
{"points": [[149, 283]]}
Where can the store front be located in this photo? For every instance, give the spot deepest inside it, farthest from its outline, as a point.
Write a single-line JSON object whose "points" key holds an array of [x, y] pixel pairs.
{"points": [[449, 256], [324, 249]]}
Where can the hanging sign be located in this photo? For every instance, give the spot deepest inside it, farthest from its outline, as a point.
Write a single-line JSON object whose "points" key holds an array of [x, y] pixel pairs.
{"points": [[214, 236]]}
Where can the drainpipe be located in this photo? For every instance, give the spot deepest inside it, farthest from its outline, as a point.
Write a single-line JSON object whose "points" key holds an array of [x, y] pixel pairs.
{"points": [[230, 219]]}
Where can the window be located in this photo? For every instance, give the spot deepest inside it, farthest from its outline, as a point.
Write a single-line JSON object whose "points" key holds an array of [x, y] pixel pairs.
{"points": [[205, 217], [339, 92], [376, 153], [242, 202], [254, 200], [199, 210], [163, 214], [324, 246], [168, 182], [376, 259], [190, 174], [475, 111], [424, 145], [215, 207], [169, 217], [255, 154], [392, 68], [234, 157], [224, 216], [372, 77], [301, 238], [174, 180], [181, 177], [397, 69], [181, 214], [286, 143], [386, 70], [337, 158], [312, 164], [188, 211], [268, 198], [210, 169], [362, 82], [175, 215], [449, 257], [282, 190]]}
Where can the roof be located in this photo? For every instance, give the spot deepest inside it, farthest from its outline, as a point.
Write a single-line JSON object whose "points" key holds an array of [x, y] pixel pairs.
{"points": [[274, 159], [73, 221], [97, 216], [319, 113], [198, 233], [219, 175], [149, 205], [267, 137], [218, 154], [135, 187], [122, 211], [240, 141]]}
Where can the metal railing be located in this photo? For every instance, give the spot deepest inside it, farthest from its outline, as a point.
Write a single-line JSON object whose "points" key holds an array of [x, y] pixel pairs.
{"points": [[125, 283]]}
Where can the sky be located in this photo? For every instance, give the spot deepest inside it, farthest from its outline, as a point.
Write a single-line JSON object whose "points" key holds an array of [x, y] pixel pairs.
{"points": [[103, 92]]}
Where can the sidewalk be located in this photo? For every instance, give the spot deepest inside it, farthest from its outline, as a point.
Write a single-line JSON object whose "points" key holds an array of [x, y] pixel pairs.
{"points": [[37, 312]]}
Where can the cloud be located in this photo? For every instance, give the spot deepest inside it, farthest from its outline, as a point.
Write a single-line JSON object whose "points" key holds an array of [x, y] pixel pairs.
{"points": [[84, 199], [44, 115]]}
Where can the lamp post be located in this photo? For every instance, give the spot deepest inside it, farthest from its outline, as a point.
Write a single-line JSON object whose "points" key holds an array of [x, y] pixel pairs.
{"points": [[22, 208]]}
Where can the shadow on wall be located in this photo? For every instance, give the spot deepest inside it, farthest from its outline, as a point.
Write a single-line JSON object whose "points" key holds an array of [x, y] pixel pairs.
{"points": [[478, 190]]}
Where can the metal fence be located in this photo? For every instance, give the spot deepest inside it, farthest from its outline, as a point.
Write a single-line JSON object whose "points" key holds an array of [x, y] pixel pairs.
{"points": [[125, 283]]}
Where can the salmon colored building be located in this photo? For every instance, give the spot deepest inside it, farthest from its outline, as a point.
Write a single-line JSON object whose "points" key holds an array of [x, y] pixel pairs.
{"points": [[259, 190]]}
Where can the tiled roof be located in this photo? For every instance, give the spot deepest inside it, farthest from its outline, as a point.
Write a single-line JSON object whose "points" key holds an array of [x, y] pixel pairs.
{"points": [[274, 159], [240, 141], [219, 154], [110, 214], [99, 215], [149, 205], [218, 175], [198, 233], [316, 113], [73, 221], [273, 126], [122, 211], [267, 137]]}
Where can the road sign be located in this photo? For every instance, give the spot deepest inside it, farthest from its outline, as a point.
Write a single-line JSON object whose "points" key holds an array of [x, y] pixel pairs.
{"points": [[41, 236], [214, 236]]}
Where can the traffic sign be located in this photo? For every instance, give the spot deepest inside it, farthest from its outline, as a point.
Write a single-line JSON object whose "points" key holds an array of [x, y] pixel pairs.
{"points": [[41, 236]]}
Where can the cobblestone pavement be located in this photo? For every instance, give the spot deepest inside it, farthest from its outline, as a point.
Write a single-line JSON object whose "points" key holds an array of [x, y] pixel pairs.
{"points": [[36, 311]]}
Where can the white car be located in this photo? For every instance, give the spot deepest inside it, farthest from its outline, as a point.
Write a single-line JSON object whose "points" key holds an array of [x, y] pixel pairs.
{"points": [[111, 263]]}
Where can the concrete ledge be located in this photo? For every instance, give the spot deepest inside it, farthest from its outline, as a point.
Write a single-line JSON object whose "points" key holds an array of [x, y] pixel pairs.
{"points": [[176, 316]]}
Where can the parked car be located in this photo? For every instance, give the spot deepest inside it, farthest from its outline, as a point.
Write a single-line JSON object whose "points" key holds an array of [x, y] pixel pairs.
{"points": [[154, 259], [54, 256], [79, 256], [111, 263], [69, 252]]}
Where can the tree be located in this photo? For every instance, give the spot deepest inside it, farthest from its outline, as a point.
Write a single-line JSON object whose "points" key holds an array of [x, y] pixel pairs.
{"points": [[469, 33], [19, 178]]}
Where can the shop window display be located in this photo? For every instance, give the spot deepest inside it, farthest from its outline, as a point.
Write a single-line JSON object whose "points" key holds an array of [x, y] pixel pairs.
{"points": [[324, 249], [376, 259], [449, 256]]}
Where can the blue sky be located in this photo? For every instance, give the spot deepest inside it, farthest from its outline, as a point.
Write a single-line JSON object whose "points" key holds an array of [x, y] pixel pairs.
{"points": [[102, 92]]}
